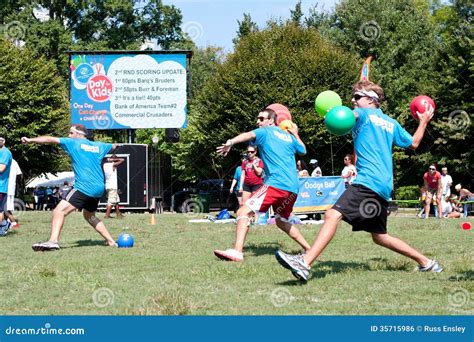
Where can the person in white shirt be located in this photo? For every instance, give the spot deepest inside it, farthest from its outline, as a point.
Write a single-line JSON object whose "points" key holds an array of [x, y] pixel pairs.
{"points": [[349, 173], [446, 182], [111, 186], [15, 171], [316, 169]]}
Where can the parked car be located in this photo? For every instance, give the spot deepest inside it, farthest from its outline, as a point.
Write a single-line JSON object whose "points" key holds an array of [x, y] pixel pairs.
{"points": [[216, 190]]}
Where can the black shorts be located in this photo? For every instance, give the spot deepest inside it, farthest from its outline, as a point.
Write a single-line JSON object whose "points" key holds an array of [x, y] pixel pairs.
{"points": [[252, 188], [363, 209], [81, 201]]}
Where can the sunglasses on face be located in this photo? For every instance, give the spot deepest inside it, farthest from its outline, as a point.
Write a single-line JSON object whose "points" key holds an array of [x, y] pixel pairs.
{"points": [[357, 97], [431, 169], [261, 118], [250, 151], [346, 159]]}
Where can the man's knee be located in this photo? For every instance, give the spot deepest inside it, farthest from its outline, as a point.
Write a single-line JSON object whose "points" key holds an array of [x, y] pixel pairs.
{"points": [[379, 239], [332, 214]]}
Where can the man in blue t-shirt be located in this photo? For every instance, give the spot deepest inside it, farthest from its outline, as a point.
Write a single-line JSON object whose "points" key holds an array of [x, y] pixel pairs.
{"points": [[364, 204], [5, 163], [86, 157], [280, 190]]}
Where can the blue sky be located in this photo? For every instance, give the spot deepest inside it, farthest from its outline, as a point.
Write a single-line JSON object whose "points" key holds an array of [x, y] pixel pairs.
{"points": [[214, 22]]}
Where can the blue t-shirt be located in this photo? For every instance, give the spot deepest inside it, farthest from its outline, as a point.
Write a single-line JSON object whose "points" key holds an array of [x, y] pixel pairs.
{"points": [[374, 135], [277, 149], [86, 159], [237, 174], [5, 159]]}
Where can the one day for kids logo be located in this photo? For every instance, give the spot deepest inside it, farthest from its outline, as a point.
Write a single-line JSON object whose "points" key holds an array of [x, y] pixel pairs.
{"points": [[99, 88], [88, 74]]}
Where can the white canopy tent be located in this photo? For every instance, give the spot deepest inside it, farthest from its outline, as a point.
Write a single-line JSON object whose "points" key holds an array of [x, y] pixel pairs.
{"points": [[51, 180]]}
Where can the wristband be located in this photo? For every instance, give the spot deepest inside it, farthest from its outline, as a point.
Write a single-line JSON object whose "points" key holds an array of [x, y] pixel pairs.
{"points": [[230, 142]]}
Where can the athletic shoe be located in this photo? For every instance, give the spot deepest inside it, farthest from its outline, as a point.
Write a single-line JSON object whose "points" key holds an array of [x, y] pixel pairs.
{"points": [[432, 266], [295, 263], [229, 255], [45, 246], [15, 225]]}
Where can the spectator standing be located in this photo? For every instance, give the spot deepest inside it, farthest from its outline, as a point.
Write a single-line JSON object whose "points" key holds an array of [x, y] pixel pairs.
{"points": [[111, 185], [446, 182], [64, 190], [302, 168], [316, 169], [15, 172], [235, 186], [5, 164], [349, 172], [251, 178], [434, 190]]}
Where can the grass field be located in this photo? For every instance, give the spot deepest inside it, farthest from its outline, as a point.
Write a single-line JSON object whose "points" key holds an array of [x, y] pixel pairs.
{"points": [[172, 271]]}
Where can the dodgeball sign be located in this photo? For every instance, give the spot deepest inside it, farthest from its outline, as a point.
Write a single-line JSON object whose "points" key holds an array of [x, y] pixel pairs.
{"points": [[99, 88]]}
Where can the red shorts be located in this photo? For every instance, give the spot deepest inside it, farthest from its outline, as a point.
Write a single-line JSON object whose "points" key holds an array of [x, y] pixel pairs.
{"points": [[281, 201]]}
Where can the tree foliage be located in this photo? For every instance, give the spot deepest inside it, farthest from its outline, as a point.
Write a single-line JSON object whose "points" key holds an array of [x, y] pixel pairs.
{"points": [[415, 52], [283, 63], [33, 101], [90, 25]]}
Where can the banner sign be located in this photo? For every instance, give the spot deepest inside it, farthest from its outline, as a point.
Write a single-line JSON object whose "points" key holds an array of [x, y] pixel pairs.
{"points": [[318, 193], [128, 91]]}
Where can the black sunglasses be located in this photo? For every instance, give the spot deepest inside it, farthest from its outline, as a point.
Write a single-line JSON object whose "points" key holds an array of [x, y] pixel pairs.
{"points": [[250, 151], [432, 169], [261, 118], [357, 97]]}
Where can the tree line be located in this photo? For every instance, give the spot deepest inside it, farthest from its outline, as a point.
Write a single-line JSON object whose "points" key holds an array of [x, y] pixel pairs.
{"points": [[418, 47]]}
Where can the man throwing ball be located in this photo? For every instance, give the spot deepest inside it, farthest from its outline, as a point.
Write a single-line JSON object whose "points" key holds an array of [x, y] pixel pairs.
{"points": [[86, 157], [277, 150], [364, 204]]}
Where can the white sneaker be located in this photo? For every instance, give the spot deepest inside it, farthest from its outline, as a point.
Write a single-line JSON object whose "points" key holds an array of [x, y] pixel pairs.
{"points": [[295, 263], [229, 255], [45, 246], [432, 266]]}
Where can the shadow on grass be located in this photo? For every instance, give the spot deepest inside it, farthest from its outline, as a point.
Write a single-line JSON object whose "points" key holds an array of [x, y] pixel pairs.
{"points": [[85, 243], [323, 268], [262, 248], [464, 276]]}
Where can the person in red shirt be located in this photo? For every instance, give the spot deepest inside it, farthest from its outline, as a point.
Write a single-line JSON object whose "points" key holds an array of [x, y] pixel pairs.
{"points": [[251, 178], [434, 190]]}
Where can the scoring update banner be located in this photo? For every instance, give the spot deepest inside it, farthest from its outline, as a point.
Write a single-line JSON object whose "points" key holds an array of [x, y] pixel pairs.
{"points": [[128, 91]]}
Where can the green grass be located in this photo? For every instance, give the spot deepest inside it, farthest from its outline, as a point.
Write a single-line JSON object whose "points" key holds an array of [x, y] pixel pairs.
{"points": [[172, 271]]}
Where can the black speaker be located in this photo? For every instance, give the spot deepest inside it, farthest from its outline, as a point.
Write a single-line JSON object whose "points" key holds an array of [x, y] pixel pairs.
{"points": [[171, 135]]}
